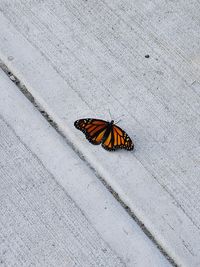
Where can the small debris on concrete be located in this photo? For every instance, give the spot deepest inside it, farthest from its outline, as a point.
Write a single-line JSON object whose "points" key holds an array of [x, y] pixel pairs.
{"points": [[10, 58], [12, 78]]}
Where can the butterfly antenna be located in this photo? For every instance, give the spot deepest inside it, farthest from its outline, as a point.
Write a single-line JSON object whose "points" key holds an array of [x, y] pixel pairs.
{"points": [[119, 119], [110, 114]]}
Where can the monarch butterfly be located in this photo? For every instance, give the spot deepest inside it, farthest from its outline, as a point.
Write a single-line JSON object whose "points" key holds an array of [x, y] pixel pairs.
{"points": [[111, 136]]}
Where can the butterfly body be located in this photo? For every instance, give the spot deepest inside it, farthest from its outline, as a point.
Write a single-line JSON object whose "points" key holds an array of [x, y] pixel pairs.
{"points": [[108, 130], [106, 133]]}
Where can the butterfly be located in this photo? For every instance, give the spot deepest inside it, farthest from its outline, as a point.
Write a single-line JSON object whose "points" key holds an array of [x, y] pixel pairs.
{"points": [[106, 133]]}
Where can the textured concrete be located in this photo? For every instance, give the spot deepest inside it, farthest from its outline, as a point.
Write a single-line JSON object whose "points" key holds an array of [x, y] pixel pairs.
{"points": [[53, 209], [139, 59]]}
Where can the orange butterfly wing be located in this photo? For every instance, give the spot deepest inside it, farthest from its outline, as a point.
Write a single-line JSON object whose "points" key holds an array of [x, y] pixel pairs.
{"points": [[93, 129], [117, 138]]}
